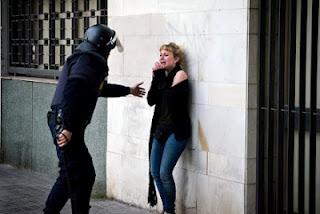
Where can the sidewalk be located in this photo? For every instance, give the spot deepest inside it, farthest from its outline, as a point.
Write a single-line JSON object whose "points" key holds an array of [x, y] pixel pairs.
{"points": [[25, 192]]}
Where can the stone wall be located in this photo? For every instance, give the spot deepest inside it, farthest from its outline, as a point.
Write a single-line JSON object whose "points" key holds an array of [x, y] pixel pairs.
{"points": [[25, 136], [213, 173]]}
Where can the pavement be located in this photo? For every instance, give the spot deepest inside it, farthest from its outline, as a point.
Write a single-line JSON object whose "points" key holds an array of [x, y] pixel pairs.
{"points": [[25, 192]]}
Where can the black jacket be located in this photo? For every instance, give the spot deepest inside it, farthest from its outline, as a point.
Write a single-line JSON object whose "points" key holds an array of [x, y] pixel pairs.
{"points": [[177, 99], [81, 82]]}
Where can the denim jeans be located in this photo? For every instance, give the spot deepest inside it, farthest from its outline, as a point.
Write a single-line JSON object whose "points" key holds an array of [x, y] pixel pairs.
{"points": [[163, 160], [76, 175]]}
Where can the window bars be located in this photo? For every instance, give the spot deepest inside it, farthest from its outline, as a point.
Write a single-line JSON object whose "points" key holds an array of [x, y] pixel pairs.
{"points": [[42, 33], [288, 115]]}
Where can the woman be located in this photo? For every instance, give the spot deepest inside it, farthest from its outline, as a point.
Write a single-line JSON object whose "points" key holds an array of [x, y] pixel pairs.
{"points": [[170, 128]]}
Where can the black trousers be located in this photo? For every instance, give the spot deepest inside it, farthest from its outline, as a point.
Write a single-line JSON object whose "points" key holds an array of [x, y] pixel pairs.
{"points": [[76, 174]]}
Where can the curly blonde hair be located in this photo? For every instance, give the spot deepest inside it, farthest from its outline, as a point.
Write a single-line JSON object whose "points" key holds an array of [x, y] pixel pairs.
{"points": [[177, 52]]}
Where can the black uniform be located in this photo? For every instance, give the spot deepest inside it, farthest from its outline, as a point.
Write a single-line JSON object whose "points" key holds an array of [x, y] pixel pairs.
{"points": [[81, 82]]}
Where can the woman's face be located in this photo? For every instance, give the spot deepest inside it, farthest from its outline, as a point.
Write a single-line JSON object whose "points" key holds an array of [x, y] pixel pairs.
{"points": [[167, 60]]}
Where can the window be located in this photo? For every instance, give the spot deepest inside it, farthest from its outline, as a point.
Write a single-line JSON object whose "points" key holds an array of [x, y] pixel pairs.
{"points": [[42, 33]]}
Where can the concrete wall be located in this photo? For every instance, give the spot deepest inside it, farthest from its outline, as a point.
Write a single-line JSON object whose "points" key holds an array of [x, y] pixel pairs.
{"points": [[26, 139], [216, 173]]}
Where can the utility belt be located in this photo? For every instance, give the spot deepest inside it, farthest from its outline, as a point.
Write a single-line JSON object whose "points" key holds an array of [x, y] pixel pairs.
{"points": [[55, 116]]}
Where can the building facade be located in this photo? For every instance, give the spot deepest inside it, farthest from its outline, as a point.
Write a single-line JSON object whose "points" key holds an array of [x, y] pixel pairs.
{"points": [[216, 173], [254, 106]]}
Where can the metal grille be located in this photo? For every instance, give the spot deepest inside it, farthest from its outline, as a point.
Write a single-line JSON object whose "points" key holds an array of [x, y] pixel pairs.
{"points": [[288, 169], [42, 33]]}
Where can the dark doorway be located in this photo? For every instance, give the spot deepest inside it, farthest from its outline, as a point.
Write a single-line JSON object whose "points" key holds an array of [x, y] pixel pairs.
{"points": [[288, 171]]}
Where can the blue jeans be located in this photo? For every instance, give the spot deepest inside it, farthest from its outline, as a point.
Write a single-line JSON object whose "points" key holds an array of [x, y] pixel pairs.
{"points": [[163, 160]]}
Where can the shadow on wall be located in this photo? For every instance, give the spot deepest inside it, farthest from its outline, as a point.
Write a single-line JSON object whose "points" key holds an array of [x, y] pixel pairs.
{"points": [[187, 183]]}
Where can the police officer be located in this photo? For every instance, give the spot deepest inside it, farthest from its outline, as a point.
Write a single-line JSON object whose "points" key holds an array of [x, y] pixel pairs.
{"points": [[81, 82]]}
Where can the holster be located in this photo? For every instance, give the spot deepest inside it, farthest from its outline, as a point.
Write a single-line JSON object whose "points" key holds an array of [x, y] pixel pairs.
{"points": [[55, 117]]}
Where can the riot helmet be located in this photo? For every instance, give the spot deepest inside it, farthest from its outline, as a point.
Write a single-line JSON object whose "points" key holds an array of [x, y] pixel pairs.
{"points": [[102, 37]]}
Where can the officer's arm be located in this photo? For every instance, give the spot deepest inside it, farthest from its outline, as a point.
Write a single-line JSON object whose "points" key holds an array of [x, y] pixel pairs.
{"points": [[114, 90], [76, 92]]}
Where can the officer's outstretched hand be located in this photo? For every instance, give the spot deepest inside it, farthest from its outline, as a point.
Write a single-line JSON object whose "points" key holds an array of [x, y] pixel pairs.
{"points": [[64, 138], [137, 90]]}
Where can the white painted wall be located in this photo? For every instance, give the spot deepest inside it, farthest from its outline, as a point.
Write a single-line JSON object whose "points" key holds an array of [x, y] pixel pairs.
{"points": [[213, 175]]}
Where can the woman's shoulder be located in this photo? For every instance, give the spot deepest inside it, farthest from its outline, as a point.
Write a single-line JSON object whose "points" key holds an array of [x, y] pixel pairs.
{"points": [[179, 77]]}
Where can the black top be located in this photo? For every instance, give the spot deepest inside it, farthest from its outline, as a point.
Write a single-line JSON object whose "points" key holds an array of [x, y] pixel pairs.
{"points": [[171, 113], [172, 104]]}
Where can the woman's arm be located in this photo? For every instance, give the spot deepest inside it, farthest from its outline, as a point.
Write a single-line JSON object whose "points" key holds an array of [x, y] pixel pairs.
{"points": [[153, 93], [179, 77]]}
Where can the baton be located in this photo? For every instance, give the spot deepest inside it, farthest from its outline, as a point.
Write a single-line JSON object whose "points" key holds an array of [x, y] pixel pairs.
{"points": [[59, 129]]}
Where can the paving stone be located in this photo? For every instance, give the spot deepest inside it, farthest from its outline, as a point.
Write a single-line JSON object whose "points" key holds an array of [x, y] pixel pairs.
{"points": [[25, 192]]}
